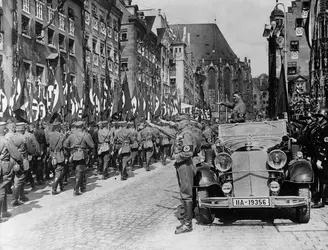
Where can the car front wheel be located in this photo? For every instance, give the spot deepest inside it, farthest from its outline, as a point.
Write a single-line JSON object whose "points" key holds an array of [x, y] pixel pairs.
{"points": [[303, 213], [205, 214]]}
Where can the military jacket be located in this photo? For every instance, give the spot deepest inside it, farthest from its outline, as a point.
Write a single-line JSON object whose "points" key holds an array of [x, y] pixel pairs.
{"points": [[24, 144], [135, 138], [34, 142], [79, 139], [184, 146], [123, 135], [105, 135], [55, 141]]}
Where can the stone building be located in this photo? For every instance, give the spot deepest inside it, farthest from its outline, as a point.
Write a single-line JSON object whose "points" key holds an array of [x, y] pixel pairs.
{"points": [[298, 50], [140, 55], [102, 58], [47, 40], [219, 72]]}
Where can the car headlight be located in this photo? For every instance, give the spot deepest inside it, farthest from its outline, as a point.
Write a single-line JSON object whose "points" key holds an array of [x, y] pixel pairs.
{"points": [[277, 159], [223, 162]]}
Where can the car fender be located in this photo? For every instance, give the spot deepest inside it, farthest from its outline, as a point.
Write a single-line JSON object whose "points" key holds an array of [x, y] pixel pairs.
{"points": [[300, 171], [205, 177]]}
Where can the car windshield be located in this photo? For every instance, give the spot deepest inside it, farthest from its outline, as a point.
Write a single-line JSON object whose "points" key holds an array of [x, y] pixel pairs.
{"points": [[263, 129]]}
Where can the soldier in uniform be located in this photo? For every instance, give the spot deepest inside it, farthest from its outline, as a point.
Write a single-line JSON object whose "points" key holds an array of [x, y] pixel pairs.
{"points": [[25, 147], [29, 132], [55, 141], [40, 160], [8, 155], [77, 143], [104, 138], [147, 136], [238, 108], [11, 130], [184, 151], [165, 146], [135, 142], [123, 140]]}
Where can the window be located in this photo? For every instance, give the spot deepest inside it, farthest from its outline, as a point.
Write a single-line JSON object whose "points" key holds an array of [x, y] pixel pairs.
{"points": [[61, 21], [179, 49], [86, 4], [124, 64], [94, 45], [71, 14], [71, 46], [95, 23], [306, 5], [294, 45], [61, 41], [94, 10], [71, 27], [40, 78], [292, 68], [87, 18], [25, 26], [124, 36], [51, 35], [26, 6], [299, 22], [27, 68], [49, 3], [102, 49], [86, 39], [39, 32], [39, 10], [51, 12]]}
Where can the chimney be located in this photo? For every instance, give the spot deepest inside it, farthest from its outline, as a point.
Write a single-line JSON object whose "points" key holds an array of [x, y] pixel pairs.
{"points": [[127, 2]]}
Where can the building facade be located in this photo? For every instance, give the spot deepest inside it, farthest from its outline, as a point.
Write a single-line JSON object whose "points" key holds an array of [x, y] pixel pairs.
{"points": [[102, 55], [260, 96], [218, 70], [298, 51]]}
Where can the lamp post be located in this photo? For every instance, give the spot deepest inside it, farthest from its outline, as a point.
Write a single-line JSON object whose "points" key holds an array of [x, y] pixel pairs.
{"points": [[285, 46]]}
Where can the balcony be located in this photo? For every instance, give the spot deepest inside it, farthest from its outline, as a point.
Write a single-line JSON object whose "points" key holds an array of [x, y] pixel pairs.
{"points": [[95, 60], [62, 21], [51, 15], [39, 10], [71, 27]]}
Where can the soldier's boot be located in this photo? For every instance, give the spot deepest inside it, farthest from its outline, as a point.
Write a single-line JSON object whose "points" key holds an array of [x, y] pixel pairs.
{"points": [[3, 208], [148, 165], [187, 222], [22, 195], [55, 185], [77, 185], [318, 203], [83, 182], [16, 193], [325, 194]]}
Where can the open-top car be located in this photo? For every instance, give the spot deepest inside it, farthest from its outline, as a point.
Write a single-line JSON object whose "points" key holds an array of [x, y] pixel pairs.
{"points": [[254, 167]]}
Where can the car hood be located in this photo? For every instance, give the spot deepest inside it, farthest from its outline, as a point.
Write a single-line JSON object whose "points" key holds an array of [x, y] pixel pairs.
{"points": [[259, 143]]}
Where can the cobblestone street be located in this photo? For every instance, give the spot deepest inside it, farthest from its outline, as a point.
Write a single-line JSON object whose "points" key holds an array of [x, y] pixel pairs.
{"points": [[140, 214]]}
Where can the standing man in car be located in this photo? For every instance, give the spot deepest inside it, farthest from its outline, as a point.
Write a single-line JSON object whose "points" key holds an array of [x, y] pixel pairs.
{"points": [[238, 108]]}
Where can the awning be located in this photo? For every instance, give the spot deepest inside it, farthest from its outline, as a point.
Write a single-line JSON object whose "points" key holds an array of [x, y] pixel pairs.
{"points": [[52, 56]]}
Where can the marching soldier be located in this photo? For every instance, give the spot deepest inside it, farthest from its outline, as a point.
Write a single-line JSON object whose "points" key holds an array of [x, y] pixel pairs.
{"points": [[165, 146], [8, 155], [25, 148], [77, 143], [29, 132], [40, 160], [55, 141], [104, 138], [135, 141], [11, 129], [148, 135], [123, 140]]}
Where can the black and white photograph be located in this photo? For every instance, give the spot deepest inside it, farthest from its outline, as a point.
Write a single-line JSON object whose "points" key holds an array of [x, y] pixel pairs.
{"points": [[163, 124]]}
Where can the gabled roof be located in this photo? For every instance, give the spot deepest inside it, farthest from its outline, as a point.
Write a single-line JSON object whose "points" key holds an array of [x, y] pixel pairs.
{"points": [[203, 39]]}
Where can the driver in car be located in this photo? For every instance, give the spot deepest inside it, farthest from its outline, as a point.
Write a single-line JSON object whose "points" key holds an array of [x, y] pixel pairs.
{"points": [[238, 108]]}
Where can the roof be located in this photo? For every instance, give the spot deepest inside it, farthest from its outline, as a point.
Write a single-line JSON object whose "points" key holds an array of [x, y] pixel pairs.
{"points": [[203, 38]]}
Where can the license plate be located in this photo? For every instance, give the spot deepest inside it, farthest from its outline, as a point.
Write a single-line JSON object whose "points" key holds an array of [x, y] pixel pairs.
{"points": [[261, 202]]}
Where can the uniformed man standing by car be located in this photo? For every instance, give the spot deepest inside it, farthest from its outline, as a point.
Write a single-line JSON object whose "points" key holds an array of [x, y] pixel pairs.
{"points": [[123, 140], [238, 108], [8, 155], [57, 155], [105, 140], [183, 154], [77, 143], [25, 147]]}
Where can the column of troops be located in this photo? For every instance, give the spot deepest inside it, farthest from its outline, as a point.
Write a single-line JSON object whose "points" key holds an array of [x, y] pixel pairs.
{"points": [[31, 154]]}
